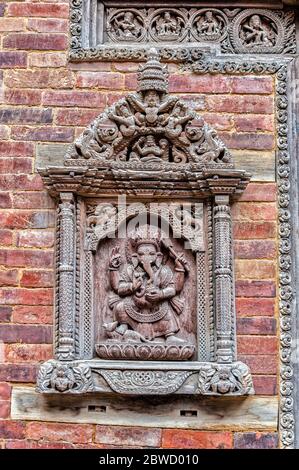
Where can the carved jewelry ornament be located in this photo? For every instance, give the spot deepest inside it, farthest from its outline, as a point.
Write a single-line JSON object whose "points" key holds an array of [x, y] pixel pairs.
{"points": [[145, 284]]}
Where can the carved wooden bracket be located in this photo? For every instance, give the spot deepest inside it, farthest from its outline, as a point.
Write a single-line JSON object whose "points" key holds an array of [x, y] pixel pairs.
{"points": [[139, 309]]}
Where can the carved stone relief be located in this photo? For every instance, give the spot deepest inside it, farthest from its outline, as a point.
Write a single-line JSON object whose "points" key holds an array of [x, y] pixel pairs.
{"points": [[176, 30]]}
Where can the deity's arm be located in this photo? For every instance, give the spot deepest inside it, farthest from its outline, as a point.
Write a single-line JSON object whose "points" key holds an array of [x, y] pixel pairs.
{"points": [[167, 283], [114, 279], [168, 292], [125, 285], [136, 103], [179, 280], [170, 102]]}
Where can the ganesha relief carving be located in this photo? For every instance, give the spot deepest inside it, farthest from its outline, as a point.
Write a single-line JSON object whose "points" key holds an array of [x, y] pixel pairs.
{"points": [[145, 300], [145, 280]]}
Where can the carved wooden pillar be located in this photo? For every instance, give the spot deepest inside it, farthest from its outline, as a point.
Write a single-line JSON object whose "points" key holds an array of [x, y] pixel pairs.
{"points": [[66, 274], [223, 274]]}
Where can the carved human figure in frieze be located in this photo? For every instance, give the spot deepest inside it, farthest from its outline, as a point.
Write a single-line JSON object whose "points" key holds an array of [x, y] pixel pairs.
{"points": [[208, 24], [145, 301], [176, 121], [151, 111], [255, 32], [168, 26], [126, 26]]}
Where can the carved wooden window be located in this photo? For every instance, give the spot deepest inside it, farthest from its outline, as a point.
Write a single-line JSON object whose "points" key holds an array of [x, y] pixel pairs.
{"points": [[110, 30], [147, 307]]}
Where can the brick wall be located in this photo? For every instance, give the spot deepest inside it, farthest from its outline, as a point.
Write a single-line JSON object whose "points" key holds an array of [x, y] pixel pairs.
{"points": [[45, 100]]}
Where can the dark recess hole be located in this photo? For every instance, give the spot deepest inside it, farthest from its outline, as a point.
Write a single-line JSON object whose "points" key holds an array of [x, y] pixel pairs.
{"points": [[188, 413], [98, 409]]}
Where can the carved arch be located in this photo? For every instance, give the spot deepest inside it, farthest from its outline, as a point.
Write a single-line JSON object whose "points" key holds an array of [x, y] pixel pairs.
{"points": [[149, 128]]}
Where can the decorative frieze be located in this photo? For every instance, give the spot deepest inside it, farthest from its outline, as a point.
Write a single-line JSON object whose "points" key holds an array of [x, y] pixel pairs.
{"points": [[125, 33]]}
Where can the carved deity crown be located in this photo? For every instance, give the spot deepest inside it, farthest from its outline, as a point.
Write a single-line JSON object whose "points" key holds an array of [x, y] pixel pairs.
{"points": [[145, 235], [153, 75]]}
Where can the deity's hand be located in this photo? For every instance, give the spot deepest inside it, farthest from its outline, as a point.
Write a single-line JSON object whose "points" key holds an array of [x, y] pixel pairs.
{"points": [[136, 283], [153, 295], [115, 258]]}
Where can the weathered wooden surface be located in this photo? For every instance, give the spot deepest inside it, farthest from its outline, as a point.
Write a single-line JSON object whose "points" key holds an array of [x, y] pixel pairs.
{"points": [[252, 413]]}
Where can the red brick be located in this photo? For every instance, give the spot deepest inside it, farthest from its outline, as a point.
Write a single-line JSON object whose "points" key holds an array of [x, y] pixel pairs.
{"points": [[12, 24], [50, 25], [29, 444], [253, 307], [257, 211], [255, 269], [252, 85], [4, 132], [100, 80], [30, 97], [75, 117], [2, 9], [16, 165], [35, 41], [114, 97], [256, 326], [37, 279], [24, 182], [188, 439], [33, 314], [255, 289], [25, 373], [32, 200], [260, 364], [255, 440], [38, 9], [220, 122], [131, 82], [26, 297], [5, 203], [254, 123], [8, 277], [265, 385], [16, 149], [26, 334], [82, 99], [199, 83], [12, 59], [15, 353], [48, 59], [44, 134], [26, 219], [125, 66], [75, 433], [255, 249], [39, 78], [4, 409], [128, 436], [254, 230], [35, 239], [257, 345], [26, 258], [5, 314], [259, 192], [252, 141], [5, 391], [240, 104], [12, 430]]}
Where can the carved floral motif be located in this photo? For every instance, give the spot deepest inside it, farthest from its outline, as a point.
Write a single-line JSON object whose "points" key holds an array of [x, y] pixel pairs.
{"points": [[225, 379]]}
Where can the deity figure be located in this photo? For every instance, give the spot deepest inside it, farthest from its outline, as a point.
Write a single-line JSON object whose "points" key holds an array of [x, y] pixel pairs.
{"points": [[150, 110], [125, 26], [168, 25], [208, 25], [125, 120], [175, 122], [256, 33], [147, 150], [145, 301]]}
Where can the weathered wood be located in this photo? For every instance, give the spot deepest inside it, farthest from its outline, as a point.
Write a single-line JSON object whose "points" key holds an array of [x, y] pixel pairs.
{"points": [[252, 413], [261, 165]]}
